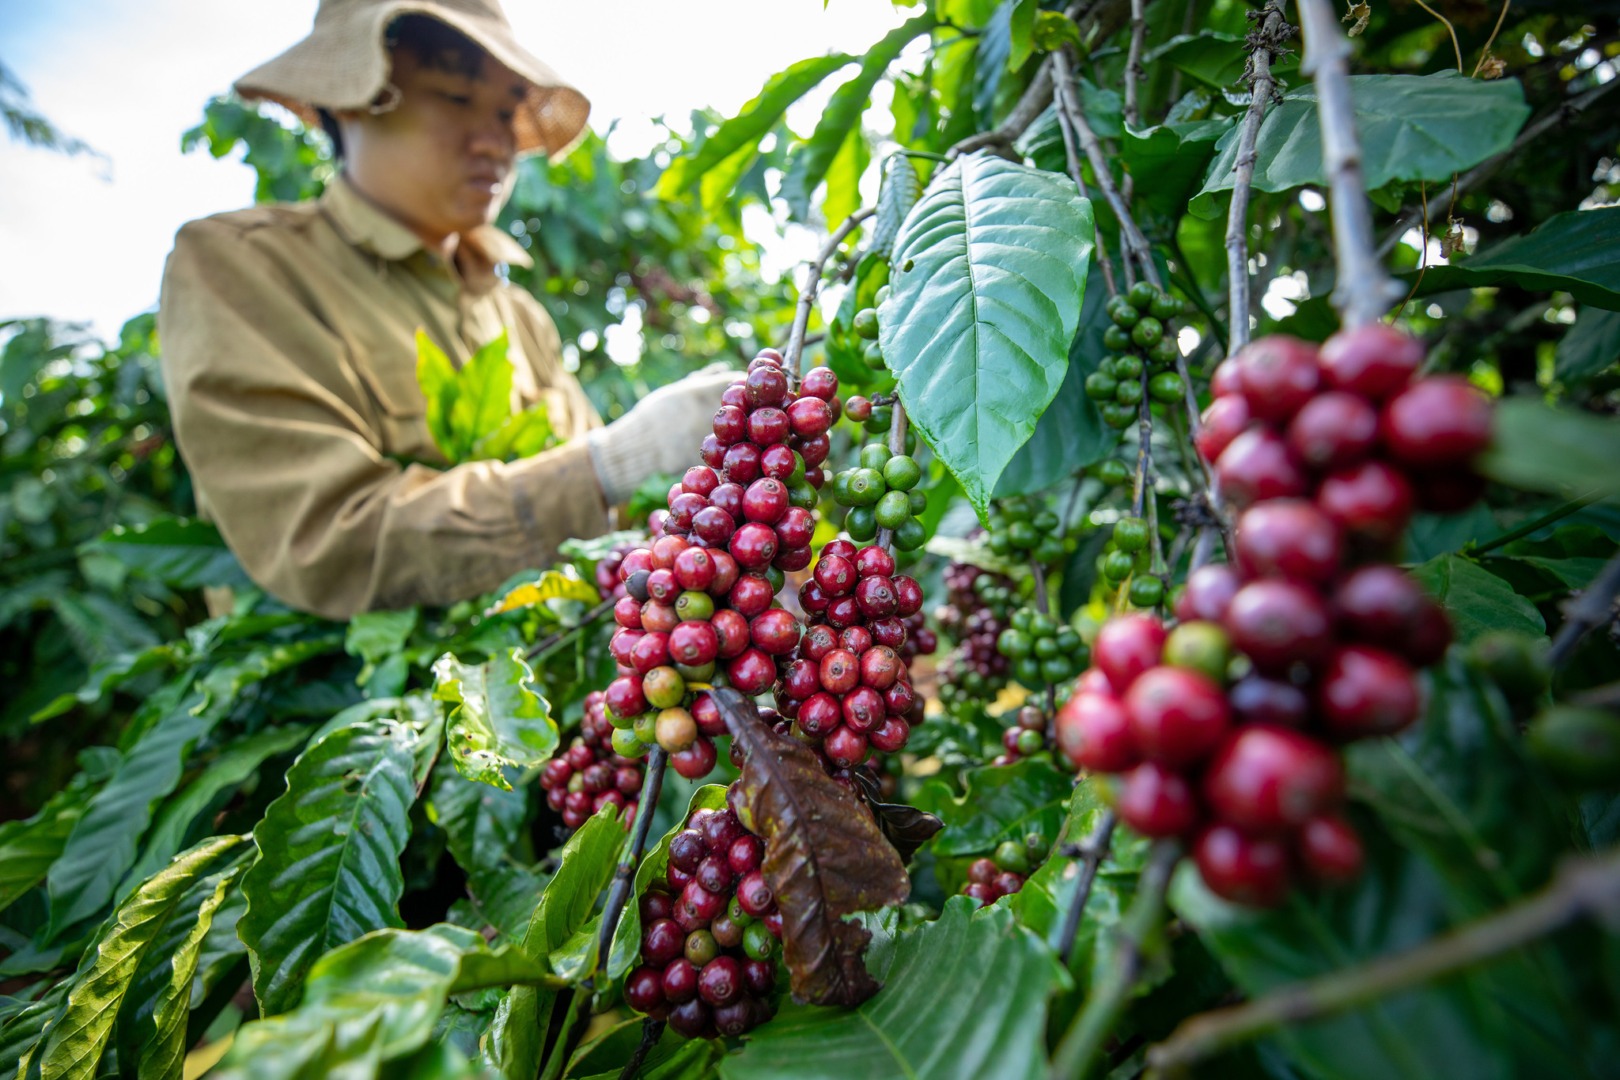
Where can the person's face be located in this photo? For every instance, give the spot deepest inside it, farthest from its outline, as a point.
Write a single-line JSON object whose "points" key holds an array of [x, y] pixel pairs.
{"points": [[441, 160]]}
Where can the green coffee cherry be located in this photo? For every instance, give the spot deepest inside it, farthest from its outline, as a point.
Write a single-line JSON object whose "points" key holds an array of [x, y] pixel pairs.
{"points": [[861, 523], [893, 510], [866, 323], [1164, 307], [1123, 314], [1100, 386], [1577, 744], [1166, 387], [1118, 565], [1148, 332], [1112, 472], [1142, 295], [1128, 393], [902, 473], [910, 535], [1116, 339], [1131, 534], [874, 456], [1147, 592], [1117, 416]]}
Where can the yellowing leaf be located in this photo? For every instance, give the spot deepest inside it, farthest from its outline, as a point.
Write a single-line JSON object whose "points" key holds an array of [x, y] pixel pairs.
{"points": [[551, 585]]}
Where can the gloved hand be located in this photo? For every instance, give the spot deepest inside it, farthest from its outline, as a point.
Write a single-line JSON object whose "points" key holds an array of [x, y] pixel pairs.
{"points": [[661, 434]]}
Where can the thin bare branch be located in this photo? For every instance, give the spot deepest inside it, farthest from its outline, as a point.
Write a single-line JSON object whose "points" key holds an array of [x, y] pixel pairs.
{"points": [[551, 641], [1587, 888], [1271, 31], [1364, 290], [812, 286], [1133, 64], [1592, 607], [624, 875], [1066, 126], [1092, 851]]}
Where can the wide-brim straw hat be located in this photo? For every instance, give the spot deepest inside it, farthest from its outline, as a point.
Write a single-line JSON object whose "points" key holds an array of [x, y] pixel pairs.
{"points": [[343, 64]]}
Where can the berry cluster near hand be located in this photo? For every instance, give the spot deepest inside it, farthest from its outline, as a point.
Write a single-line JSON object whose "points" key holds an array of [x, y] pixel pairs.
{"points": [[700, 604], [709, 943], [1325, 454], [590, 774], [849, 688], [1143, 353]]}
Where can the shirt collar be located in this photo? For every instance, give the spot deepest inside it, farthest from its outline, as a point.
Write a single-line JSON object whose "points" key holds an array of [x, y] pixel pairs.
{"points": [[365, 226]]}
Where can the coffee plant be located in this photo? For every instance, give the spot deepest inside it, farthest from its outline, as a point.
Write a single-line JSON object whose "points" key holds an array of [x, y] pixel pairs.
{"points": [[1146, 605]]}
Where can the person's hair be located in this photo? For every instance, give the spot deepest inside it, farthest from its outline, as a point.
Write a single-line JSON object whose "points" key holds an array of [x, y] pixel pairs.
{"points": [[435, 44]]}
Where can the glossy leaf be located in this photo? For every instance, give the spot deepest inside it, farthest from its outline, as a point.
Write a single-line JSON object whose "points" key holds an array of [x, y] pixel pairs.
{"points": [[75, 1041], [810, 162], [181, 553], [1411, 127], [102, 846], [989, 277], [964, 997], [235, 764], [1477, 600], [374, 636], [1215, 59], [29, 847], [328, 869], [1576, 252], [752, 122], [376, 999], [825, 857], [1169, 161], [585, 867], [152, 1025], [483, 824], [500, 721], [484, 401], [1560, 451], [844, 178], [1592, 347], [1002, 802], [436, 375]]}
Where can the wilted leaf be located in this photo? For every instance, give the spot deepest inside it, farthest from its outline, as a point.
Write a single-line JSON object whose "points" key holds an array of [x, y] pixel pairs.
{"points": [[905, 827], [500, 721], [824, 857]]}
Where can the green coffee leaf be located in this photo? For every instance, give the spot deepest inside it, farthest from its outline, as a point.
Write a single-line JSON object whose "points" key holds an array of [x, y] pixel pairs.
{"points": [[499, 721], [1000, 802], [484, 399], [1477, 600], [1539, 448], [328, 869], [992, 1022], [28, 848], [989, 277], [181, 553], [1576, 252], [1411, 127], [1592, 347]]}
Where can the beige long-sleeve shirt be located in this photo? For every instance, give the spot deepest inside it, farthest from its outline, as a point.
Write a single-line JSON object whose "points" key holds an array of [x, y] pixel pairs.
{"points": [[288, 343]]}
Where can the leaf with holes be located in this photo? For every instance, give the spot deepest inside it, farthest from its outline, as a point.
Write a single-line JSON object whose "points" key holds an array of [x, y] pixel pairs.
{"points": [[328, 869], [500, 721], [989, 277]]}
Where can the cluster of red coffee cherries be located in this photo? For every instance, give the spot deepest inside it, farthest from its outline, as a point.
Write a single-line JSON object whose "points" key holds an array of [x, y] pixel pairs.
{"points": [[849, 688], [709, 944], [700, 600], [1326, 454], [589, 775], [608, 581]]}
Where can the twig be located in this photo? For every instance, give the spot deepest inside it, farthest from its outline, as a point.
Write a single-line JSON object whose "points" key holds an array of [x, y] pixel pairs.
{"points": [[650, 1031], [1485, 51], [1066, 127], [1562, 114], [1452, 30], [1584, 888], [1133, 64], [1535, 524], [1092, 851], [1082, 1043], [1136, 245], [1591, 608], [897, 446], [624, 875], [812, 285], [1271, 31], [551, 641], [1363, 290], [1030, 106]]}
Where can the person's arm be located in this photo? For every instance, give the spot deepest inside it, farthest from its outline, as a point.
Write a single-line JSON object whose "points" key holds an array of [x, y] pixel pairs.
{"points": [[281, 442]]}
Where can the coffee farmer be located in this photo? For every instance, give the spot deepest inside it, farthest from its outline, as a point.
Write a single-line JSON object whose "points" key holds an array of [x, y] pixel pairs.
{"points": [[288, 331]]}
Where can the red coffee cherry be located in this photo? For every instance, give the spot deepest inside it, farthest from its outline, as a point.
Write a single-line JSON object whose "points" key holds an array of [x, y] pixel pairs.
{"points": [[1330, 850], [752, 672], [1366, 691], [1224, 420], [1278, 624], [840, 671], [731, 633], [819, 382], [1372, 500], [1126, 646], [765, 501], [1440, 421], [775, 632], [1259, 465], [1157, 802], [1094, 732], [1243, 869], [1277, 374], [1287, 538], [1374, 360], [753, 546], [845, 748], [1208, 591], [1333, 430], [1268, 779], [1177, 717]]}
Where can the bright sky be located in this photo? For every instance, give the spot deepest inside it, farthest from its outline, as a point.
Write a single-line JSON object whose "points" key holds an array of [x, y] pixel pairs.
{"points": [[83, 240]]}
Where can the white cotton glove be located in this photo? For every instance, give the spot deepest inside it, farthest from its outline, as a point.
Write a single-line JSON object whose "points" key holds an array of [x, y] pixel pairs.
{"points": [[661, 434]]}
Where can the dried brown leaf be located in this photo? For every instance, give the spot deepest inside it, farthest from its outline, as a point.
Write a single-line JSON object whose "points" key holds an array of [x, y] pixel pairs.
{"points": [[906, 827], [1357, 17], [825, 857]]}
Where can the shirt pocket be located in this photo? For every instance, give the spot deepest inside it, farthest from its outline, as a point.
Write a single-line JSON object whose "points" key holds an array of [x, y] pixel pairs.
{"points": [[389, 376]]}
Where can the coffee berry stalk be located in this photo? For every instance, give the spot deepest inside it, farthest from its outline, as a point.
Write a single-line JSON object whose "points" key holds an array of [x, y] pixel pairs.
{"points": [[700, 605], [1226, 729], [710, 937]]}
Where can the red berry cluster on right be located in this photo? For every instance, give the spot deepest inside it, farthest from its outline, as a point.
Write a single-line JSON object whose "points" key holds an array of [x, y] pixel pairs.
{"points": [[709, 945], [1326, 454], [850, 687]]}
